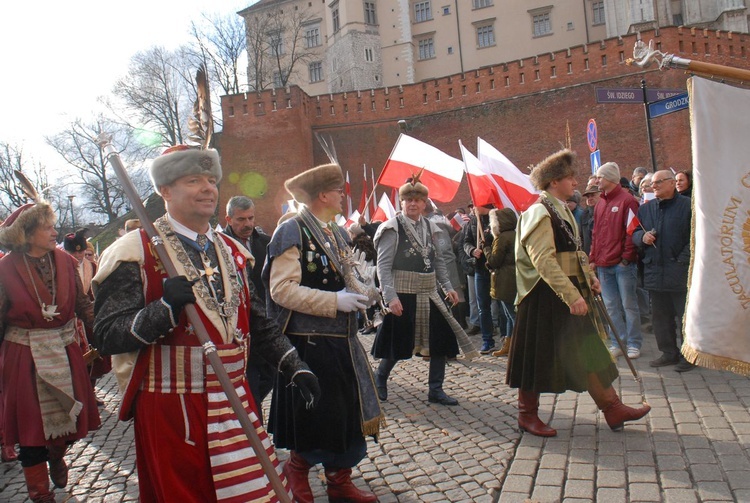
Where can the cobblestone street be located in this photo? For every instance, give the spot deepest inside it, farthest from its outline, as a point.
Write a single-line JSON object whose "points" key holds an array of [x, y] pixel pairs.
{"points": [[693, 447]]}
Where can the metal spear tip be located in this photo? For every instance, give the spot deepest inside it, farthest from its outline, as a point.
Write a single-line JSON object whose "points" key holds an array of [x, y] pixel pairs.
{"points": [[104, 139]]}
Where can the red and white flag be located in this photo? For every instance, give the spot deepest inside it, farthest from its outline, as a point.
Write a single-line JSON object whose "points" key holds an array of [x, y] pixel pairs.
{"points": [[348, 192], [483, 187], [459, 220], [633, 222], [385, 210], [442, 173], [373, 205], [516, 185], [363, 206]]}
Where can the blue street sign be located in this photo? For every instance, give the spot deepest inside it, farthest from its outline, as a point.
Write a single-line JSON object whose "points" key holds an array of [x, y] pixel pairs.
{"points": [[669, 105], [596, 161], [592, 137]]}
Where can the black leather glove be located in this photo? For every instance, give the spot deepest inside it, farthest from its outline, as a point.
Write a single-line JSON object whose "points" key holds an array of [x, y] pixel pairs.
{"points": [[308, 386], [178, 291]]}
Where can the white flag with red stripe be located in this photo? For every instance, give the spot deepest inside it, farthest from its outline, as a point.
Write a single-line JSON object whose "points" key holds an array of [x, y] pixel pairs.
{"points": [[385, 210], [459, 220], [363, 206], [348, 192], [483, 187], [442, 173], [633, 222], [516, 185]]}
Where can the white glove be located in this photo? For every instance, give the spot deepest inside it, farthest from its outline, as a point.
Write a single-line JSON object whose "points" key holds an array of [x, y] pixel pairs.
{"points": [[348, 301]]}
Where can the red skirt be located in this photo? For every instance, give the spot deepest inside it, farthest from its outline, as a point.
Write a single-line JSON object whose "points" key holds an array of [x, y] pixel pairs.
{"points": [[22, 416]]}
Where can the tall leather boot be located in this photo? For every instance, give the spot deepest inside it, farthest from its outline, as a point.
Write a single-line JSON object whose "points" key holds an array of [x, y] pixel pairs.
{"points": [[528, 417], [341, 489], [381, 377], [58, 470], [435, 379], [37, 482], [296, 470], [505, 350], [615, 412]]}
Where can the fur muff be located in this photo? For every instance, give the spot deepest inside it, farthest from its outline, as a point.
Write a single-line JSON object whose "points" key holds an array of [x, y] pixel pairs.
{"points": [[23, 222], [555, 167], [181, 160], [307, 185]]}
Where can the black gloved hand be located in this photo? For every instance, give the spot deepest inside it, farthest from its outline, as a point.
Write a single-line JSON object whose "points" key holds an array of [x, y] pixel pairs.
{"points": [[178, 291], [308, 386]]}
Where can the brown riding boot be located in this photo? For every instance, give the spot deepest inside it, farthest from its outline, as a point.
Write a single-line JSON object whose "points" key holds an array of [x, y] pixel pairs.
{"points": [[342, 489], [615, 412], [528, 418], [505, 350], [296, 470], [37, 482], [58, 470]]}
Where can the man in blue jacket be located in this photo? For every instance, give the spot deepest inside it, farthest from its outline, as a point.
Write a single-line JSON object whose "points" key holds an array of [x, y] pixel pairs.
{"points": [[666, 257]]}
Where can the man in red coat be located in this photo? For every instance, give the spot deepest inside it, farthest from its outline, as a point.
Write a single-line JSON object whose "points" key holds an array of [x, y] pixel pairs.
{"points": [[48, 399]]}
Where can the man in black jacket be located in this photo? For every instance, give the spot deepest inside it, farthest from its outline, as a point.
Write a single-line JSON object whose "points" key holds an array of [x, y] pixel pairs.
{"points": [[241, 226], [666, 257]]}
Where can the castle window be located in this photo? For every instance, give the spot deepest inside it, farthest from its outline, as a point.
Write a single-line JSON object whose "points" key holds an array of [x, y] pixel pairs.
{"points": [[426, 48], [541, 22], [480, 4], [598, 10], [485, 35], [335, 16], [316, 71], [422, 11], [312, 37], [368, 54], [370, 13]]}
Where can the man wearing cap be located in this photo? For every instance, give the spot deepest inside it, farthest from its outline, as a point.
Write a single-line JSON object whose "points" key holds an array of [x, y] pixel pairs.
{"points": [[614, 257], [189, 446], [49, 402], [557, 344], [307, 286], [591, 196], [410, 267], [76, 245]]}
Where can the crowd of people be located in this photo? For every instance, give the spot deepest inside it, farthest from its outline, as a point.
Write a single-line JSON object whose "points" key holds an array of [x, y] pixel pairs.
{"points": [[284, 314]]}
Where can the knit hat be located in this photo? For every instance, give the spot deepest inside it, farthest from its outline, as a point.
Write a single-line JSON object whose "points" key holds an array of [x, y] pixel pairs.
{"points": [[182, 160], [609, 171], [555, 167], [22, 222], [576, 197], [307, 185], [75, 242]]}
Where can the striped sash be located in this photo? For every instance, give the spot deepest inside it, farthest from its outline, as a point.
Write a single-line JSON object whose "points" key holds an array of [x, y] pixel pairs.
{"points": [[238, 475]]}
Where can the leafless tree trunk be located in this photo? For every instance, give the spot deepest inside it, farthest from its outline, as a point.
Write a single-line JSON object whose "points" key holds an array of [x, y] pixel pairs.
{"points": [[12, 158], [96, 183], [220, 42]]}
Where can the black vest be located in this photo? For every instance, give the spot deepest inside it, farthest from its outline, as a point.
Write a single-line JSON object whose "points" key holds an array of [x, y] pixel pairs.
{"points": [[408, 258]]}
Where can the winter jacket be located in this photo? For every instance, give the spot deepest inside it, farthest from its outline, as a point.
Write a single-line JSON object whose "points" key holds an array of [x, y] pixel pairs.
{"points": [[466, 262], [610, 244], [470, 241], [501, 255], [665, 266]]}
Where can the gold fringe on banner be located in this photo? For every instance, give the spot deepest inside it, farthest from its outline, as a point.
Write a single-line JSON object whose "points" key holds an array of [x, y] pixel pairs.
{"points": [[714, 362]]}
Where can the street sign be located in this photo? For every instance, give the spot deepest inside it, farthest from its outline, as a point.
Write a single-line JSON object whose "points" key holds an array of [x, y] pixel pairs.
{"points": [[592, 137], [669, 105], [596, 161], [633, 95]]}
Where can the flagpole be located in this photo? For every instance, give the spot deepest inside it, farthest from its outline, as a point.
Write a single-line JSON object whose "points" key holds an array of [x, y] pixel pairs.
{"points": [[644, 55], [389, 157]]}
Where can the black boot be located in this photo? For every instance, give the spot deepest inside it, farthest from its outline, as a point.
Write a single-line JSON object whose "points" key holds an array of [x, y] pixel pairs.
{"points": [[381, 377], [435, 382]]}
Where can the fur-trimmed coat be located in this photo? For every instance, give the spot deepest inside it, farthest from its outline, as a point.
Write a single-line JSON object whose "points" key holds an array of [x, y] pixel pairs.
{"points": [[501, 256]]}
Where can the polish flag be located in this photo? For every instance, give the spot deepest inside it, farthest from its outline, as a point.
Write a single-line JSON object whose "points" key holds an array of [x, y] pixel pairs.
{"points": [[373, 207], [348, 193], [353, 218], [459, 220], [363, 208], [442, 173], [484, 188], [633, 222], [385, 210], [513, 182]]}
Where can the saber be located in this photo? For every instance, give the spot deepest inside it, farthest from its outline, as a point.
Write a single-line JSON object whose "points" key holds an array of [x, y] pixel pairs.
{"points": [[104, 141]]}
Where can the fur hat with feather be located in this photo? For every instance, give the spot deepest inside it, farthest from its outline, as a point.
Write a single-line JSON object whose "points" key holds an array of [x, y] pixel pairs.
{"points": [[15, 230], [306, 186], [555, 167], [414, 188]]}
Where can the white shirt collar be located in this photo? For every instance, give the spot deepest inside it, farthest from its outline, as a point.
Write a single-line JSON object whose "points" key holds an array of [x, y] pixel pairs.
{"points": [[188, 233]]}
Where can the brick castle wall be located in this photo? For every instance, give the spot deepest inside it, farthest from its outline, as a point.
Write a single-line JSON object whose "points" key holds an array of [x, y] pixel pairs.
{"points": [[521, 107]]}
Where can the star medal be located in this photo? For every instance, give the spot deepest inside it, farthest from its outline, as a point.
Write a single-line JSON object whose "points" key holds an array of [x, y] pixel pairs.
{"points": [[312, 267]]}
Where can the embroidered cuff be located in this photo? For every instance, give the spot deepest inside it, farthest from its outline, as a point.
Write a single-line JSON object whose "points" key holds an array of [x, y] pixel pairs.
{"points": [[300, 371], [172, 321], [134, 333], [283, 357]]}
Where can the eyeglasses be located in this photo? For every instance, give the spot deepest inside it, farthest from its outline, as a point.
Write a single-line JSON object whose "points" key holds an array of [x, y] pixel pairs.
{"points": [[340, 191], [656, 183]]}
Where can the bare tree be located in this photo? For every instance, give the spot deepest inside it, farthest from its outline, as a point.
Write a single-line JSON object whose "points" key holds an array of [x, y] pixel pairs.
{"points": [[156, 89], [12, 158], [220, 42], [276, 46], [96, 183]]}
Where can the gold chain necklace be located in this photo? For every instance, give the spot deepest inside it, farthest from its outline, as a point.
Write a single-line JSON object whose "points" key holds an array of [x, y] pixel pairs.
{"points": [[48, 311]]}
